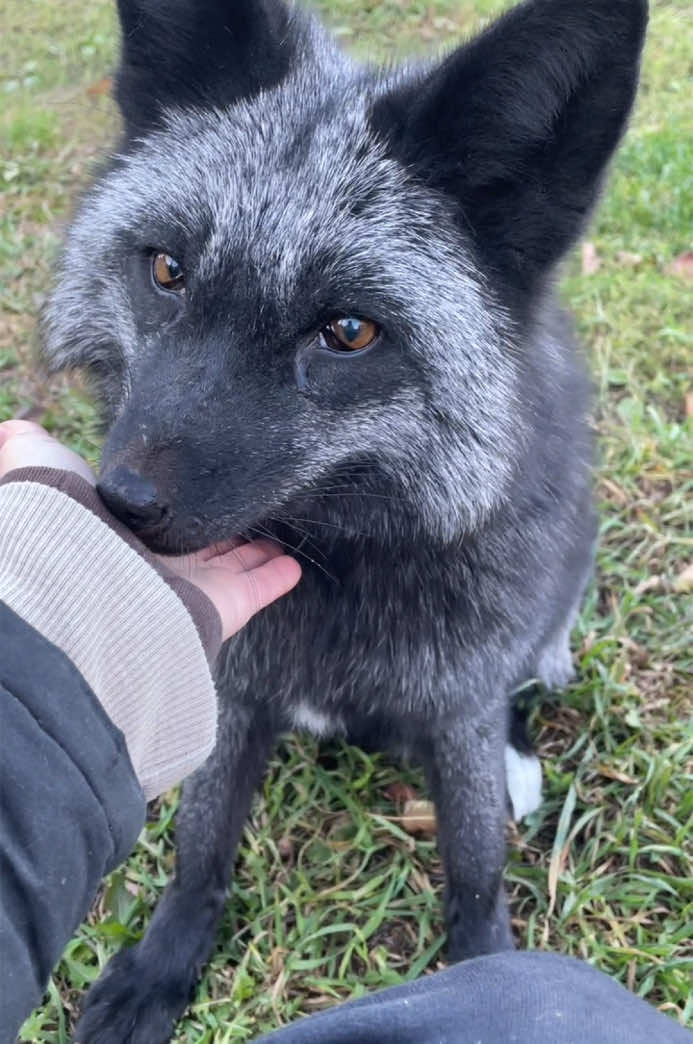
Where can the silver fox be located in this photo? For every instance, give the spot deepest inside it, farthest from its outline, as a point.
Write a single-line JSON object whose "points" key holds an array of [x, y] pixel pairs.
{"points": [[316, 301]]}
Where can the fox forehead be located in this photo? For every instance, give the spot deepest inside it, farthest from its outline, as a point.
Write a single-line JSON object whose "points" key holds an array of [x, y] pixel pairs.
{"points": [[293, 174], [293, 180], [324, 188]]}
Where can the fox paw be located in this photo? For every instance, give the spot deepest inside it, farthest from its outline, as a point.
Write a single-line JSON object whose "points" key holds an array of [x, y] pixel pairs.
{"points": [[132, 1003]]}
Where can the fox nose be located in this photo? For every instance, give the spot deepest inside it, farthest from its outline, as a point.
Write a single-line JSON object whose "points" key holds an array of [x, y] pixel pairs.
{"points": [[131, 498]]}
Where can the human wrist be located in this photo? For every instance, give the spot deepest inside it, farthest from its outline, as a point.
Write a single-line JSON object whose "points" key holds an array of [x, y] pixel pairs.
{"points": [[73, 577], [200, 608]]}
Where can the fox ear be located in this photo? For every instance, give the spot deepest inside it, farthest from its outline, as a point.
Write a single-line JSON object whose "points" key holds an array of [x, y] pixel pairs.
{"points": [[519, 125], [197, 52]]}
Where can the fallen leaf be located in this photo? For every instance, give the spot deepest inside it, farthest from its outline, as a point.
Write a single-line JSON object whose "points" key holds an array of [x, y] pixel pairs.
{"points": [[650, 583], [628, 259], [285, 847], [684, 581], [587, 643], [418, 817], [420, 880], [591, 262], [616, 492], [682, 265], [276, 961], [688, 403], [277, 969], [100, 87], [638, 653], [610, 773], [400, 793]]}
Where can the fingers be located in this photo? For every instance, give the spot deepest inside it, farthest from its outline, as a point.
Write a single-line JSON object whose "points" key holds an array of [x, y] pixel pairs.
{"points": [[19, 427], [270, 581], [240, 597], [24, 444], [218, 549], [252, 555], [241, 581], [235, 556]]}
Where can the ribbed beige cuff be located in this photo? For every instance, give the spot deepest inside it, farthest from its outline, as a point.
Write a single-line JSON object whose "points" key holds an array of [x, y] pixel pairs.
{"points": [[205, 616], [70, 576]]}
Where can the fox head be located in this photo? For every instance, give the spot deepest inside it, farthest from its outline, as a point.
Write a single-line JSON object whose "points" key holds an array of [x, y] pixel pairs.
{"points": [[306, 282]]}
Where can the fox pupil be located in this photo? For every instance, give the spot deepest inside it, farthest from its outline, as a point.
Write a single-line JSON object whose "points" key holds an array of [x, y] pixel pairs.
{"points": [[351, 328]]}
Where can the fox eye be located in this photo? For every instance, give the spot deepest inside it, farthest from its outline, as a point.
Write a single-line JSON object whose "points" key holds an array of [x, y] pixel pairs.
{"points": [[349, 334], [167, 273]]}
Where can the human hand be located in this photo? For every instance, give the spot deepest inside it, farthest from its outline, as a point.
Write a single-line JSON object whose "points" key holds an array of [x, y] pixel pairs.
{"points": [[24, 444], [239, 578]]}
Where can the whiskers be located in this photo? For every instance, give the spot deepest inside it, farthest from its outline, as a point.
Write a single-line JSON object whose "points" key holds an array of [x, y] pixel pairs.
{"points": [[296, 549], [314, 536]]}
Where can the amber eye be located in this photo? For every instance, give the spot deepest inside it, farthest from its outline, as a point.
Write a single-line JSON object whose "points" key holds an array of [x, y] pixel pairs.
{"points": [[349, 334], [167, 273]]}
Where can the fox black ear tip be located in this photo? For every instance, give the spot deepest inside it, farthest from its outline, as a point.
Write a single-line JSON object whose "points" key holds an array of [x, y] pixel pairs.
{"points": [[636, 11]]}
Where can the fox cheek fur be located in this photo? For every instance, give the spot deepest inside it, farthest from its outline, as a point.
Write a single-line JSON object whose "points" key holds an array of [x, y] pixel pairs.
{"points": [[437, 483]]}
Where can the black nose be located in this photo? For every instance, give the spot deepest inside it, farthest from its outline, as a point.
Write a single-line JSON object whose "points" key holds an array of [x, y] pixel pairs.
{"points": [[131, 498]]}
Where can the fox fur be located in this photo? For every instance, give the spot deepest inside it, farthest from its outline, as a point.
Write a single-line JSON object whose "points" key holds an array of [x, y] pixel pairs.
{"points": [[436, 485]]}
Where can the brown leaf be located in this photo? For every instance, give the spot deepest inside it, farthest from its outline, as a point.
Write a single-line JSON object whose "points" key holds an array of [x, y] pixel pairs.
{"points": [[681, 266], [638, 654], [420, 880], [276, 961], [100, 87], [591, 262], [399, 793], [610, 773], [587, 643], [285, 847], [616, 492], [650, 583], [419, 817], [684, 581]]}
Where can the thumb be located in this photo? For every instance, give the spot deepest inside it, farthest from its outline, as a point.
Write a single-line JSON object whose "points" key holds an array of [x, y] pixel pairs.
{"points": [[256, 589], [240, 582]]}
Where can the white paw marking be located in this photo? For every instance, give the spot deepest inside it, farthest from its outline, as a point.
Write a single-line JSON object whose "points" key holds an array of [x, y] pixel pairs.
{"points": [[314, 721], [523, 779]]}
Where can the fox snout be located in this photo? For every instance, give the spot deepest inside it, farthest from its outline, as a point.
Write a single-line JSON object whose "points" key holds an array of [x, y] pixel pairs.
{"points": [[134, 499]]}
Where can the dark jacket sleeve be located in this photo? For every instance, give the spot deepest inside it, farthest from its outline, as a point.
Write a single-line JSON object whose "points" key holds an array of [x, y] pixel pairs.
{"points": [[70, 810]]}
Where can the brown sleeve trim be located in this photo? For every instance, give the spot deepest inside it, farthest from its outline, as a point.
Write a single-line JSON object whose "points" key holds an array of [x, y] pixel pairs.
{"points": [[204, 615]]}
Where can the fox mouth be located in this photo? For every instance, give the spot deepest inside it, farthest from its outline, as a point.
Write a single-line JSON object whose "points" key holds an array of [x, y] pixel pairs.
{"points": [[160, 540], [167, 538], [170, 539]]}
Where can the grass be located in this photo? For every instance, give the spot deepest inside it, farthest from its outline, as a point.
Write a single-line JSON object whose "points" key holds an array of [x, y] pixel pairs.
{"points": [[331, 896]]}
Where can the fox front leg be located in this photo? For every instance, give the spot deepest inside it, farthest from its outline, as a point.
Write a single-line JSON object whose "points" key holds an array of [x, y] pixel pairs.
{"points": [[146, 988], [465, 768]]}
